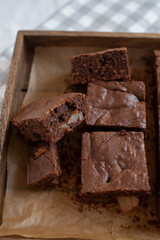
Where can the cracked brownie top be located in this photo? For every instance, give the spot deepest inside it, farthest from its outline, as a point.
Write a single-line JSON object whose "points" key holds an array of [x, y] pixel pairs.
{"points": [[117, 104], [113, 161]]}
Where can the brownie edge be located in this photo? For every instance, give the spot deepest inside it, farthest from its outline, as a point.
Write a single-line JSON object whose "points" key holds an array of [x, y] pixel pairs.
{"points": [[157, 73]]}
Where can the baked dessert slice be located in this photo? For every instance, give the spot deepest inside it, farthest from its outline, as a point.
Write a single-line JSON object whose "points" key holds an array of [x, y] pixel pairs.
{"points": [[43, 167], [157, 73], [50, 119], [110, 64], [158, 155], [117, 104], [113, 163]]}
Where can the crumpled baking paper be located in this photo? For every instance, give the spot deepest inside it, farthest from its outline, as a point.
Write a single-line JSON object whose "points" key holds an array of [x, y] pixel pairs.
{"points": [[58, 213]]}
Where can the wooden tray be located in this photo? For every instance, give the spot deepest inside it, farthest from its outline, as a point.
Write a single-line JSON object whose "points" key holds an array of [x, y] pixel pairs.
{"points": [[21, 64]]}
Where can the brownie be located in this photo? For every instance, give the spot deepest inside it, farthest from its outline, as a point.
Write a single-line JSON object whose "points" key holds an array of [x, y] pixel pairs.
{"points": [[49, 119], [111, 64], [114, 162], [159, 139], [43, 167], [117, 104], [157, 72]]}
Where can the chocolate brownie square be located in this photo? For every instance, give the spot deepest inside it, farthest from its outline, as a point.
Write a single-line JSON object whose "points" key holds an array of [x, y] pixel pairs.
{"points": [[43, 167], [157, 72], [114, 162], [117, 104], [50, 119], [111, 64]]}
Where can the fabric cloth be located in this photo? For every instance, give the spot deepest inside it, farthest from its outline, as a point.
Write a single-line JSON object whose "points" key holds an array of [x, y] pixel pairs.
{"points": [[71, 15]]}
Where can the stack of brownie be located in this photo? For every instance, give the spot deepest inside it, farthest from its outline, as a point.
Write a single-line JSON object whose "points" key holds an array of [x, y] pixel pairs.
{"points": [[113, 157], [43, 123]]}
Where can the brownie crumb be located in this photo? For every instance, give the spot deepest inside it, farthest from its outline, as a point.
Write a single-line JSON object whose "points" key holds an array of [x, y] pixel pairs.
{"points": [[123, 132]]}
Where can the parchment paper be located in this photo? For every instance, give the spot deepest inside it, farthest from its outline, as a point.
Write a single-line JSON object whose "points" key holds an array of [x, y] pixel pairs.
{"points": [[59, 213]]}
